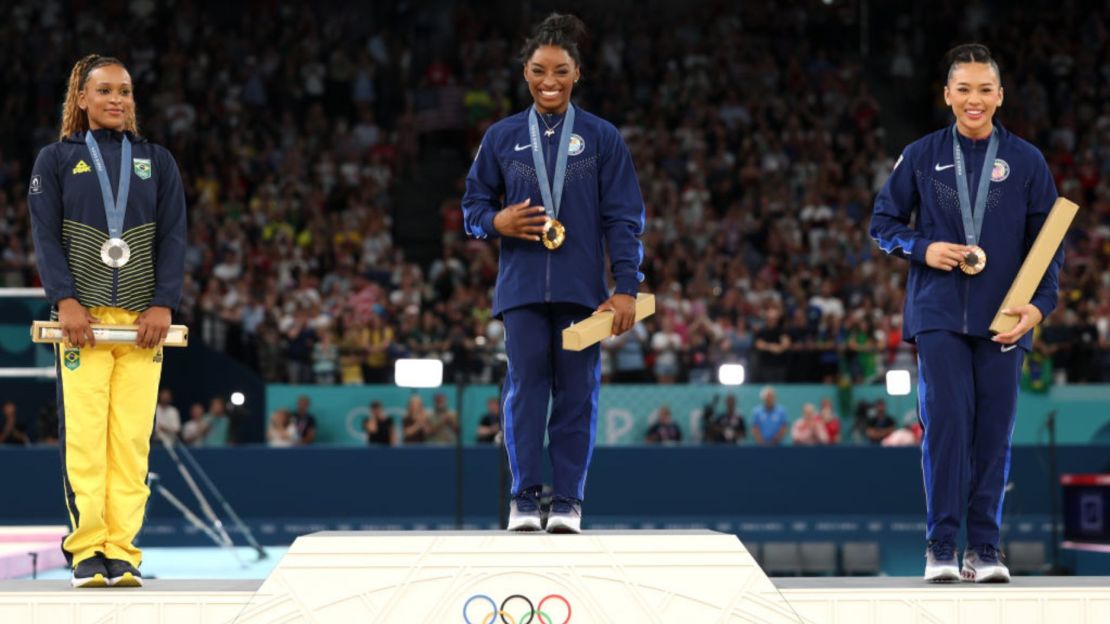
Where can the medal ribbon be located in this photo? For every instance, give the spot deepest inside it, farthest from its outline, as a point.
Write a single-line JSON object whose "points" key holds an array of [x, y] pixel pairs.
{"points": [[973, 225], [546, 190], [114, 211]]}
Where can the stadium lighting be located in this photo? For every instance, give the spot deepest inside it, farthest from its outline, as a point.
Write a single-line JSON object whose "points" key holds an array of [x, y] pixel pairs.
{"points": [[418, 373], [731, 374], [898, 382], [238, 399]]}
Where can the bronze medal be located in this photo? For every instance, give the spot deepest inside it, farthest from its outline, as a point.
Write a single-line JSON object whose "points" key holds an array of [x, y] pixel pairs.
{"points": [[553, 234], [975, 261]]}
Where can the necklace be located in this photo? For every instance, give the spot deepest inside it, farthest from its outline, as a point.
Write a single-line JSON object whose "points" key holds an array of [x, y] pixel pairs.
{"points": [[550, 129]]}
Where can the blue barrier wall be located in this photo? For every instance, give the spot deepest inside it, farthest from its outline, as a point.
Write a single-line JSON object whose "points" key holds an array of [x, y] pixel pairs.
{"points": [[387, 484], [804, 494]]}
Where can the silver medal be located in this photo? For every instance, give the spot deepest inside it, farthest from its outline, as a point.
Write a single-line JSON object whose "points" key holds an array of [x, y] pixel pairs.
{"points": [[115, 252]]}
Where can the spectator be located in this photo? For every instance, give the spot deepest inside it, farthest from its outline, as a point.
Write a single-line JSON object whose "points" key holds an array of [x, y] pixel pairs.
{"points": [[727, 427], [489, 427], [48, 423], [217, 423], [666, 344], [325, 359], [664, 430], [10, 430], [772, 344], [759, 207], [195, 430], [379, 338], [416, 426], [282, 432], [768, 420], [299, 339], [629, 349], [879, 423], [379, 427], [444, 425], [832, 421], [305, 422], [167, 420], [810, 429], [909, 434]]}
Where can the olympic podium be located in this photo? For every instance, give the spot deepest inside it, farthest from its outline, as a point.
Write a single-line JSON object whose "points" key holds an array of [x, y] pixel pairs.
{"points": [[599, 576]]}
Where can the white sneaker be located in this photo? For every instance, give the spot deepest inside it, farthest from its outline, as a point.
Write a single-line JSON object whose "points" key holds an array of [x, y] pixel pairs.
{"points": [[940, 562], [565, 516], [983, 564], [524, 511]]}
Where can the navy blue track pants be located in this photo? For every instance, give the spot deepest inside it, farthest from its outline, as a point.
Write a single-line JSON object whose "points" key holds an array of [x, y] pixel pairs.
{"points": [[542, 373], [967, 398]]}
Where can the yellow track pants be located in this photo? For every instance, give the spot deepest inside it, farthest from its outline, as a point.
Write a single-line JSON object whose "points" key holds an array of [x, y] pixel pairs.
{"points": [[107, 395]]}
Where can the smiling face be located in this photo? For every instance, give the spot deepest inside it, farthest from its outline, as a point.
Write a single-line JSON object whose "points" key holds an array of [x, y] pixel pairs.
{"points": [[551, 74], [107, 98], [974, 93]]}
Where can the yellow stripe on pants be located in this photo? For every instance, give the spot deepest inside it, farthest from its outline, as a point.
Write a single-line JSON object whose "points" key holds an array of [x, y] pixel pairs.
{"points": [[108, 398]]}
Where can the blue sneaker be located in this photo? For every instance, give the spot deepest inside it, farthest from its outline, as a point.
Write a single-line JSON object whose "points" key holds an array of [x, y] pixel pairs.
{"points": [[983, 564], [940, 562], [524, 511], [565, 515]]}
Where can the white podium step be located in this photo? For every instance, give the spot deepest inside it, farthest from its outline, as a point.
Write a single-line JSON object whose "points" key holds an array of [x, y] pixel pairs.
{"points": [[667, 577], [446, 576]]}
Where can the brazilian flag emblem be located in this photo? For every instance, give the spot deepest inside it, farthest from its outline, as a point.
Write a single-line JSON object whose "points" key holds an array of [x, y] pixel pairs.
{"points": [[72, 358], [142, 167]]}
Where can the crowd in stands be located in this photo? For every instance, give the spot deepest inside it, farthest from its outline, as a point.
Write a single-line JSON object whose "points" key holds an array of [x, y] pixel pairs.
{"points": [[756, 137]]}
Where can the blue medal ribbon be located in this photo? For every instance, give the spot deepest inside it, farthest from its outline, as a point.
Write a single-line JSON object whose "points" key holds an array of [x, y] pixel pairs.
{"points": [[973, 224], [552, 193], [114, 210]]}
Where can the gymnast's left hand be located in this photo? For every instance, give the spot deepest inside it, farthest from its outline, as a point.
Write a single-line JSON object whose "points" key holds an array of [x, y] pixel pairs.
{"points": [[624, 312], [1030, 317], [154, 326]]}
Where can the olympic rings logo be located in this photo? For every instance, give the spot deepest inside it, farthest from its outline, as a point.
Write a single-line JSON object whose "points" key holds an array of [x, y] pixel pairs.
{"points": [[526, 617]]}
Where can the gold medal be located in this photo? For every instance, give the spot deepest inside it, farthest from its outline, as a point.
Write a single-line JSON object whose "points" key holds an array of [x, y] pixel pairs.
{"points": [[975, 261], [553, 234]]}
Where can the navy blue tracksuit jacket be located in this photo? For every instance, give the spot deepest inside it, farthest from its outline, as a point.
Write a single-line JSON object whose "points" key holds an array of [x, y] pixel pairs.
{"points": [[967, 385], [540, 292]]}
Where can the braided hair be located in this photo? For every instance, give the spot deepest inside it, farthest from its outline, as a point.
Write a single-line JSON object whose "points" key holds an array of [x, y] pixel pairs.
{"points": [[561, 30], [73, 118], [971, 53]]}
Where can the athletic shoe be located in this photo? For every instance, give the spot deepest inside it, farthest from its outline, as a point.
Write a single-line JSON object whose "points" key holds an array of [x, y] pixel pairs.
{"points": [[983, 564], [940, 562], [90, 573], [524, 511], [123, 574], [565, 515]]}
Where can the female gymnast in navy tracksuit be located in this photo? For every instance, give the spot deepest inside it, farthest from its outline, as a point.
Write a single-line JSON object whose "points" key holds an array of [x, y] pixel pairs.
{"points": [[980, 194], [558, 186]]}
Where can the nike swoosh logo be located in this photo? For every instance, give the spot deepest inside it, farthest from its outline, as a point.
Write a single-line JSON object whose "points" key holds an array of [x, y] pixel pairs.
{"points": [[521, 147], [937, 167]]}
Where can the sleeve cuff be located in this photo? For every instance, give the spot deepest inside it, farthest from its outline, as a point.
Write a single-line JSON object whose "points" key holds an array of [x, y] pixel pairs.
{"points": [[487, 225], [628, 285], [162, 303], [1046, 307], [920, 245], [58, 297]]}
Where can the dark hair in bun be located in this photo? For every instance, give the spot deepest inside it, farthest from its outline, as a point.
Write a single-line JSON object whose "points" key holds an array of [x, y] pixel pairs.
{"points": [[562, 30], [971, 53]]}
